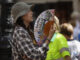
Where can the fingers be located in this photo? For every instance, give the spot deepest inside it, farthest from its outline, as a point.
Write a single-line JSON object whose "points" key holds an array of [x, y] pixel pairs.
{"points": [[53, 28]]}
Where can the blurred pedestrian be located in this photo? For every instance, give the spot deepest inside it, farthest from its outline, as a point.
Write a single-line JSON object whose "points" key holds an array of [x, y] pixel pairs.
{"points": [[76, 20]]}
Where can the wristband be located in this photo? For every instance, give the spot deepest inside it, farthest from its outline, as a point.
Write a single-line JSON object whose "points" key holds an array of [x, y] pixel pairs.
{"points": [[48, 39]]}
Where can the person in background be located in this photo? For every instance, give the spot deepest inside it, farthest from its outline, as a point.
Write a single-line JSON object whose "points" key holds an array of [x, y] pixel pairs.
{"points": [[74, 45], [76, 24], [23, 46], [58, 47]]}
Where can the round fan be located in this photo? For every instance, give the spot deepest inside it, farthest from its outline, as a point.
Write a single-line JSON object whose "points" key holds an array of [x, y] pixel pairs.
{"points": [[42, 25]]}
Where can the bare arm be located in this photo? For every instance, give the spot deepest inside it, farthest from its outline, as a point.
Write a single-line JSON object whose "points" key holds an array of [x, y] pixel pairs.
{"points": [[67, 58]]}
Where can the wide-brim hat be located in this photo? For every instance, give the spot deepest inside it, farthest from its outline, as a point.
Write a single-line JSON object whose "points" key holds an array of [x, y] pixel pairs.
{"points": [[19, 9]]}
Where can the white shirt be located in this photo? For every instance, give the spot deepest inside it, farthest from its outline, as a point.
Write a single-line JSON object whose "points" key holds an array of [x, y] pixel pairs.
{"points": [[74, 47]]}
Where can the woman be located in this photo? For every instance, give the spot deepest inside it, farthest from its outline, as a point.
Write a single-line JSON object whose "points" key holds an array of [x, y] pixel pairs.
{"points": [[23, 38], [58, 47]]}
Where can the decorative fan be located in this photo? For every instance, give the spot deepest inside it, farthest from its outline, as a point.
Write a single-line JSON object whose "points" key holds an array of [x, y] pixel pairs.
{"points": [[42, 25]]}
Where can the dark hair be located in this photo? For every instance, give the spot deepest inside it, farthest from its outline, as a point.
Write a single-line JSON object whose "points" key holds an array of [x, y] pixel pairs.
{"points": [[21, 23]]}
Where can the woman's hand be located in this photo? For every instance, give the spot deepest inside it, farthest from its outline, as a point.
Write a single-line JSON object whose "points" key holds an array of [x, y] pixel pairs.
{"points": [[51, 33]]}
